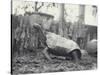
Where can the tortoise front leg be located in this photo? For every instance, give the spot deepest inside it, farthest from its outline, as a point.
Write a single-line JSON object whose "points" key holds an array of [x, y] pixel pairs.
{"points": [[45, 53]]}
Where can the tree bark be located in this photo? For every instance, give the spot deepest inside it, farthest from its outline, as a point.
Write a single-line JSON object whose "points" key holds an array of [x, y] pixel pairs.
{"points": [[81, 27], [62, 26], [61, 19], [36, 6]]}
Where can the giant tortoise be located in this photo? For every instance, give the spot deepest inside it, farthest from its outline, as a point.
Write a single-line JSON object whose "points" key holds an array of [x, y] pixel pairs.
{"points": [[58, 45]]}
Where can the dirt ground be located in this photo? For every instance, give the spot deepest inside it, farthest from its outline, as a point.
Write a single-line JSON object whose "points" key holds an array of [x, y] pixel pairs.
{"points": [[37, 63]]}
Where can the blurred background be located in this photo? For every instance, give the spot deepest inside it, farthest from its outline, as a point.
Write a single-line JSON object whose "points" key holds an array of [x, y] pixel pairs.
{"points": [[79, 22]]}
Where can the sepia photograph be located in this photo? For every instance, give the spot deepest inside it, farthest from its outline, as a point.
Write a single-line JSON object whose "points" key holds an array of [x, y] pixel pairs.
{"points": [[51, 37]]}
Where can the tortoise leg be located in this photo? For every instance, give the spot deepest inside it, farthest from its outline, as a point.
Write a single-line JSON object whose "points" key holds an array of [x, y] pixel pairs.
{"points": [[76, 55], [45, 53]]}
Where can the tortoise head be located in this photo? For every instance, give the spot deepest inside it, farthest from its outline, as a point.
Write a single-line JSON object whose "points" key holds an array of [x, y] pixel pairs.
{"points": [[42, 36], [37, 26]]}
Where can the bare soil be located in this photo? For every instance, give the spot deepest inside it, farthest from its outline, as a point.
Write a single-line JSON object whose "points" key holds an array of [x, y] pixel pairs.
{"points": [[32, 62]]}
